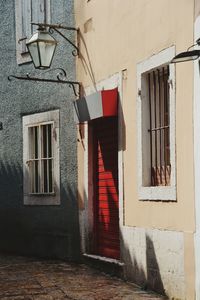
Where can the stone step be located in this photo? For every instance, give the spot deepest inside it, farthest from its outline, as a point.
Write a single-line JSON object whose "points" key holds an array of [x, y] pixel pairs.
{"points": [[111, 266]]}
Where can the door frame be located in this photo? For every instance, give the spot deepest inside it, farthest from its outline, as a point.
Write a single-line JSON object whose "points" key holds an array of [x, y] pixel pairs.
{"points": [[87, 217]]}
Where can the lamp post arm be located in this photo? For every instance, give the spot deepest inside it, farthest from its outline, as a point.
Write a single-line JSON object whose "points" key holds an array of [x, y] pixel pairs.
{"points": [[60, 33], [72, 84], [56, 27]]}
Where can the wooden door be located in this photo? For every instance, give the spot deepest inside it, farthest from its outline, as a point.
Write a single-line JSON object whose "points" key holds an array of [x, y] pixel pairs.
{"points": [[106, 204]]}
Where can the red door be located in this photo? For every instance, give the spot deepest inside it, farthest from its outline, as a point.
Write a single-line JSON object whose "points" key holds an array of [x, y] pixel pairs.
{"points": [[106, 204]]}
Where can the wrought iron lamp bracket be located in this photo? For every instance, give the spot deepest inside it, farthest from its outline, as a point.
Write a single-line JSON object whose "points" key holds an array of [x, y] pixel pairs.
{"points": [[61, 77], [56, 28]]}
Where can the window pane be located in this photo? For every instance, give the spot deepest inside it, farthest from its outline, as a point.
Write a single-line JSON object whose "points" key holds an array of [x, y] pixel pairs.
{"points": [[36, 131], [31, 177], [50, 140], [33, 142], [40, 159], [159, 131], [30, 136], [50, 169], [36, 177], [45, 174], [44, 141]]}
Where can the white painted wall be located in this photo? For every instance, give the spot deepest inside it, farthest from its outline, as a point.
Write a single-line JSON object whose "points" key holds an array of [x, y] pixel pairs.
{"points": [[197, 158]]}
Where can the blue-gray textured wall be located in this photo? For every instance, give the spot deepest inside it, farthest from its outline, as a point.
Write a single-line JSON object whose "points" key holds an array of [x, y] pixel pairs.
{"points": [[48, 231]]}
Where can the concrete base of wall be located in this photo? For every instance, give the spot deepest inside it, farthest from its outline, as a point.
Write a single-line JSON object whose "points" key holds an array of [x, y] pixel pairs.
{"points": [[154, 259]]}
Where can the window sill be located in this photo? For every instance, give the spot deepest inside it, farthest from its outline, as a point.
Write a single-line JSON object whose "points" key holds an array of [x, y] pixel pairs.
{"points": [[158, 193], [42, 194], [42, 200]]}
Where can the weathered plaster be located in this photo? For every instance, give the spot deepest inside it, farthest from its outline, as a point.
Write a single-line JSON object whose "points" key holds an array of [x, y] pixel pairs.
{"points": [[197, 8], [46, 231], [119, 43], [155, 260]]}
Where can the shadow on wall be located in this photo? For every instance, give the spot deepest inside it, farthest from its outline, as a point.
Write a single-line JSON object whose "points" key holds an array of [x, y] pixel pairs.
{"points": [[145, 272], [86, 62], [87, 66], [44, 231], [122, 128], [149, 279], [154, 280]]}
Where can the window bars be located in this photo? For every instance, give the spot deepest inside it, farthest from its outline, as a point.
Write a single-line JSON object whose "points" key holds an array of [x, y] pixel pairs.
{"points": [[159, 131], [40, 161]]}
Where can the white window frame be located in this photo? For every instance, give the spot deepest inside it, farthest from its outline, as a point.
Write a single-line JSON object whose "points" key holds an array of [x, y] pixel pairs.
{"points": [[35, 120], [167, 193], [24, 57]]}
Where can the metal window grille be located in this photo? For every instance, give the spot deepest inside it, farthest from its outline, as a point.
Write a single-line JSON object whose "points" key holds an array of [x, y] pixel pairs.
{"points": [[41, 159], [159, 129]]}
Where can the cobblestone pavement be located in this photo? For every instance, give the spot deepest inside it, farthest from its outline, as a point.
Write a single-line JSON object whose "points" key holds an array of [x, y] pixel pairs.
{"points": [[24, 278]]}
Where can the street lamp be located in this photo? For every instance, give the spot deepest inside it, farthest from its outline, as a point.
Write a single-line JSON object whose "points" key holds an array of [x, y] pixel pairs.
{"points": [[41, 47], [187, 55]]}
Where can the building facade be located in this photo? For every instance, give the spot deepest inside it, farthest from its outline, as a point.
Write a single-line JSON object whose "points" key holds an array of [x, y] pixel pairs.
{"points": [[138, 172], [38, 164], [134, 199]]}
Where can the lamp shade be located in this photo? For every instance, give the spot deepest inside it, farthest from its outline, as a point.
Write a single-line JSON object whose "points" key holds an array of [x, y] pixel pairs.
{"points": [[186, 56], [41, 47]]}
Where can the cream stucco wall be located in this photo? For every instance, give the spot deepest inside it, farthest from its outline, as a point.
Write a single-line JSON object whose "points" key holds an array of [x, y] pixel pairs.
{"points": [[116, 35]]}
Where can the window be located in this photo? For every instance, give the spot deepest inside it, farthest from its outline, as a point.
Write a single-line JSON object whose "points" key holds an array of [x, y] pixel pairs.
{"points": [[41, 158], [28, 11], [40, 161], [156, 127], [159, 126]]}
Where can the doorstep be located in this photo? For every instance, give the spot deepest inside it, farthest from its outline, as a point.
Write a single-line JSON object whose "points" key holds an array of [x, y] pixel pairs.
{"points": [[108, 265]]}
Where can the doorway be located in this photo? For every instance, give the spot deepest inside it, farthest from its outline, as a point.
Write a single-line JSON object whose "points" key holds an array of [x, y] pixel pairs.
{"points": [[105, 187]]}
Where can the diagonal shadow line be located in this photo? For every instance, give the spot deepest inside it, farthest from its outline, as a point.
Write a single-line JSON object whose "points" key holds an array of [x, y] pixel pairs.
{"points": [[86, 62]]}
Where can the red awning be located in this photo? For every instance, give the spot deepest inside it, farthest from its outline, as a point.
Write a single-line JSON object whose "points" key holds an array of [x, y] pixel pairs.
{"points": [[109, 102], [100, 104]]}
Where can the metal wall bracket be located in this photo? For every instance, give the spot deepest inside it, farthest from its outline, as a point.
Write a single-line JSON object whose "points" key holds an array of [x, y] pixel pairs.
{"points": [[56, 28], [61, 77]]}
